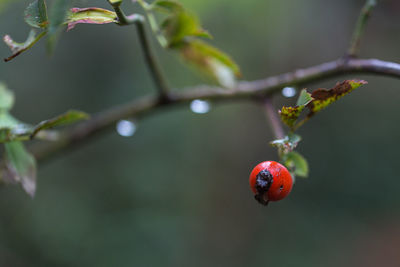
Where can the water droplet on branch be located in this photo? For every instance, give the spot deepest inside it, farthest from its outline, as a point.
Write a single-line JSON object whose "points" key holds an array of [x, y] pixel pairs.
{"points": [[200, 106], [126, 128], [289, 91]]}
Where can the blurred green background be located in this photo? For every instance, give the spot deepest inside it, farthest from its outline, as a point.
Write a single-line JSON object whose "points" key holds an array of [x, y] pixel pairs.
{"points": [[176, 193]]}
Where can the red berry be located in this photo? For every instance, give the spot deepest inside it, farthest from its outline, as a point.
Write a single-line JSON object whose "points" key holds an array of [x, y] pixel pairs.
{"points": [[270, 181]]}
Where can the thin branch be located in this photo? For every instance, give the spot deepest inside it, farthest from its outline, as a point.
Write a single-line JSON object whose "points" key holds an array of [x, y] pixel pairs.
{"points": [[150, 58], [245, 90], [360, 26], [151, 61], [272, 115], [35, 40], [122, 18]]}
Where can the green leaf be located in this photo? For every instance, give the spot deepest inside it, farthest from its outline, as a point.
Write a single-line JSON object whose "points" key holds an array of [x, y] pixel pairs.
{"points": [[63, 119], [13, 130], [180, 31], [211, 61], [7, 121], [57, 17], [18, 48], [20, 166], [6, 98], [296, 163], [90, 15], [304, 98], [36, 14], [324, 97], [166, 6], [181, 25]]}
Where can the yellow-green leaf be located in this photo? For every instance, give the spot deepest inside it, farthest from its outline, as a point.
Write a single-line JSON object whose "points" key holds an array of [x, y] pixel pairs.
{"points": [[211, 61], [324, 97], [166, 6], [12, 129], [289, 115], [180, 31], [90, 15], [63, 119], [180, 25], [317, 101]]}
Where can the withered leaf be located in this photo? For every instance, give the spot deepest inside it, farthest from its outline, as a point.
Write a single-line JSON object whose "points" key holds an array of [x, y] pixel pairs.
{"points": [[316, 101], [289, 115], [325, 97]]}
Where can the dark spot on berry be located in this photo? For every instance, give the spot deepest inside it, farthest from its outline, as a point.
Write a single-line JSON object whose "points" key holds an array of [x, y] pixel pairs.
{"points": [[264, 181], [281, 187]]}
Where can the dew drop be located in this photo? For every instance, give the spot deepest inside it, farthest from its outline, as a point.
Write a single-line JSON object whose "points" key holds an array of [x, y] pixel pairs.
{"points": [[126, 128], [289, 91], [200, 106]]}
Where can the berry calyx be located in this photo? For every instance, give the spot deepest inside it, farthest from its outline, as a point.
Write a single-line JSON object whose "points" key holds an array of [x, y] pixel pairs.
{"points": [[270, 181]]}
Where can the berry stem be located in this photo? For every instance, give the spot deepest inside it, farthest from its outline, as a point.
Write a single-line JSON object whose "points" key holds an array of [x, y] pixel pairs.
{"points": [[272, 115]]}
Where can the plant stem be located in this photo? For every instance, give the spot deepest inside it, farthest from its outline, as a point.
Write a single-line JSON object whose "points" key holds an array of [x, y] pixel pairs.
{"points": [[152, 63], [272, 115], [122, 18], [105, 120], [360, 27], [149, 56], [36, 39]]}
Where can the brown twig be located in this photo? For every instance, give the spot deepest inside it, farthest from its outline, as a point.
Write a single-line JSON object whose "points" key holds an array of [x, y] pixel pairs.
{"points": [[244, 90]]}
